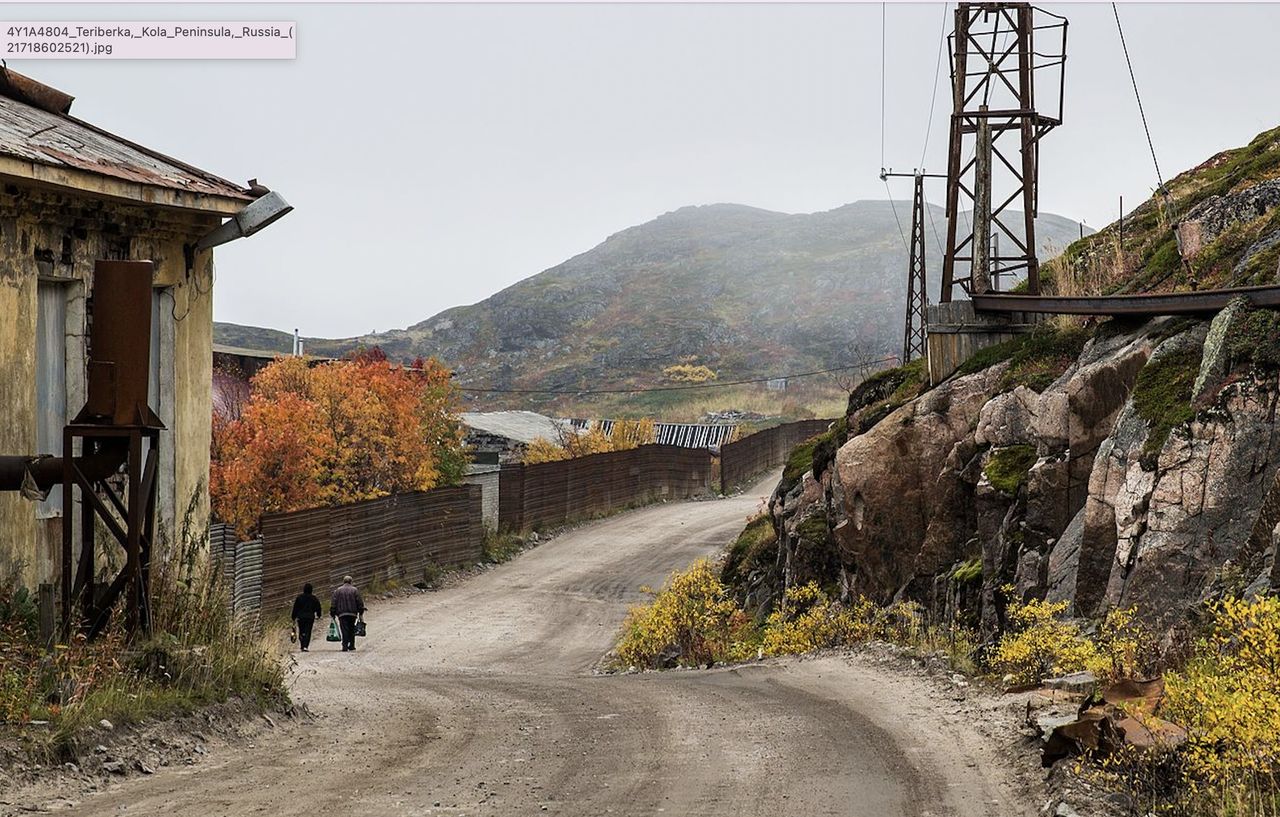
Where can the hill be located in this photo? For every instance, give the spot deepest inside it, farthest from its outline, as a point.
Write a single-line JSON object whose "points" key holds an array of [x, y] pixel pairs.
{"points": [[744, 291]]}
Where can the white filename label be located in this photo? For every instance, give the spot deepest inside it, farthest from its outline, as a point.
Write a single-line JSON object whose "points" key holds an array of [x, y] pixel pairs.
{"points": [[148, 41]]}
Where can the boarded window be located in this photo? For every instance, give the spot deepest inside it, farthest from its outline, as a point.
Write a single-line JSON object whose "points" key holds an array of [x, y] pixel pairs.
{"points": [[51, 379]]}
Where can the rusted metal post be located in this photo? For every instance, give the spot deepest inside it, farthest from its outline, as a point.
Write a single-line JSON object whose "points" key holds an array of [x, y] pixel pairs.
{"points": [[68, 479], [133, 602], [980, 268], [1030, 145], [954, 145]]}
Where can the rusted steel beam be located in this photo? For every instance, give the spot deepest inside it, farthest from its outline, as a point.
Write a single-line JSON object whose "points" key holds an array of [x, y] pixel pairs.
{"points": [[1165, 303], [47, 471]]}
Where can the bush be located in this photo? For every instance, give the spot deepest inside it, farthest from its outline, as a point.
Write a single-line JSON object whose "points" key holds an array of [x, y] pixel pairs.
{"points": [[691, 621], [1040, 644], [806, 620], [197, 654], [1228, 698]]}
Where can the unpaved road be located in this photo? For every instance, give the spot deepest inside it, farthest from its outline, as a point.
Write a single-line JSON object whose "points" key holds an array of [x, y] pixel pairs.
{"points": [[480, 700]]}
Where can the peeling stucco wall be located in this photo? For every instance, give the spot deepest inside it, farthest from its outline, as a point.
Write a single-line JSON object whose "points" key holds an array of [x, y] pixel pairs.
{"points": [[49, 234]]}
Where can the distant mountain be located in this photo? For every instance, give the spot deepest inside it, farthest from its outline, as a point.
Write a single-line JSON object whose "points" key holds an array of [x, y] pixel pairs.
{"points": [[747, 292]]}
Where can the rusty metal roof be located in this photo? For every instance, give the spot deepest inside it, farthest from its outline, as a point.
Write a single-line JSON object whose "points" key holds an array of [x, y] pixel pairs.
{"points": [[58, 140]]}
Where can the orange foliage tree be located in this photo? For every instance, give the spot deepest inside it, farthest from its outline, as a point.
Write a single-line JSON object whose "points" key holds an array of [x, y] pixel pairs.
{"points": [[337, 432]]}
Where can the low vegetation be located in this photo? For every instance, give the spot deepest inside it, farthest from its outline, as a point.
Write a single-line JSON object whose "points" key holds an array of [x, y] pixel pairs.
{"points": [[197, 654], [623, 436], [1254, 340], [693, 621], [754, 549], [1035, 359], [883, 392]]}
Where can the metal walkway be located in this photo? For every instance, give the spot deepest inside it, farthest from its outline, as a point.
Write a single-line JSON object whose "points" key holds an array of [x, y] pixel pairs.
{"points": [[1168, 303]]}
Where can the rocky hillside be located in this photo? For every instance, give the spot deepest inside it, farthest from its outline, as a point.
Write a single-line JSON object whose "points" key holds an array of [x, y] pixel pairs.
{"points": [[744, 291], [1118, 464]]}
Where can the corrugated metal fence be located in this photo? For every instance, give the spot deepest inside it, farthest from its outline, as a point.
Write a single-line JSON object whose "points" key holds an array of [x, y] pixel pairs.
{"points": [[754, 454], [241, 567], [554, 493], [395, 537]]}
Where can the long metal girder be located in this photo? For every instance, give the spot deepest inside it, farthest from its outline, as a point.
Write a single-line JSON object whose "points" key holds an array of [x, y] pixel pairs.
{"points": [[1166, 303]]}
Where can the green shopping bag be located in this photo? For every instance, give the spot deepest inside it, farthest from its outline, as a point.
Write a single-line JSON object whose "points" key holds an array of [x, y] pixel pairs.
{"points": [[333, 635]]}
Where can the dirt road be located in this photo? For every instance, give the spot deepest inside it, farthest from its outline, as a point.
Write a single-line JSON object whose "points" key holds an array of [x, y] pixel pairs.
{"points": [[480, 700]]}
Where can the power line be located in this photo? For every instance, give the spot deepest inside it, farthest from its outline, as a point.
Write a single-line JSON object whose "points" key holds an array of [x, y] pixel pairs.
{"points": [[645, 390], [1138, 96], [933, 98]]}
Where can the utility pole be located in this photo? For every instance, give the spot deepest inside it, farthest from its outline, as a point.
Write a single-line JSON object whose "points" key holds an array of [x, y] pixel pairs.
{"points": [[998, 50], [915, 328]]}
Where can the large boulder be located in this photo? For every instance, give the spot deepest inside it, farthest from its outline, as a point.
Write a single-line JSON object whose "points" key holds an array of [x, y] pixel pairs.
{"points": [[903, 517]]}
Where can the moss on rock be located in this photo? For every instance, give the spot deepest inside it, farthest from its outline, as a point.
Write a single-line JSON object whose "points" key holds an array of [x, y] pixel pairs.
{"points": [[1007, 467], [755, 547], [1162, 398]]}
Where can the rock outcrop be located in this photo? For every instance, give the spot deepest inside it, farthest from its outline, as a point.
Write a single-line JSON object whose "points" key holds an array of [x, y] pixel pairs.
{"points": [[1144, 475]]}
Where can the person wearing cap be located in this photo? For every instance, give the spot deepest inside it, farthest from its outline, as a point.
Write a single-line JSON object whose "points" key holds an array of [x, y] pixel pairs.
{"points": [[347, 607]]}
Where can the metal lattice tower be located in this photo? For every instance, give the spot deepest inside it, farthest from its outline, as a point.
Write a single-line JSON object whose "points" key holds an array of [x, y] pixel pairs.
{"points": [[998, 50], [913, 338], [915, 330]]}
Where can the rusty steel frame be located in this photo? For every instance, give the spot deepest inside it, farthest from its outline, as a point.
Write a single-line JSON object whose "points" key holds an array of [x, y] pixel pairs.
{"points": [[136, 535], [1008, 72]]}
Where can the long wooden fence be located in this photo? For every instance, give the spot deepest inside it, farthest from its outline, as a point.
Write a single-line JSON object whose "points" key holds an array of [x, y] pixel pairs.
{"points": [[751, 456], [393, 538], [555, 493]]}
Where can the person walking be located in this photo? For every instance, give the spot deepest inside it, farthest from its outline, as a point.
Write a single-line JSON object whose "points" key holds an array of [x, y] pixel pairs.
{"points": [[306, 610], [347, 606]]}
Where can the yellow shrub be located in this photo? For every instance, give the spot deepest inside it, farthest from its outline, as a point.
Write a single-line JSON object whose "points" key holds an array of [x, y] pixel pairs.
{"points": [[1121, 645], [1228, 698], [1041, 644], [806, 620], [691, 614]]}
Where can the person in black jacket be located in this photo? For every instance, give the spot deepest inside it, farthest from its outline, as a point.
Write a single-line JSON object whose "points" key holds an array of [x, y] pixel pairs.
{"points": [[306, 609]]}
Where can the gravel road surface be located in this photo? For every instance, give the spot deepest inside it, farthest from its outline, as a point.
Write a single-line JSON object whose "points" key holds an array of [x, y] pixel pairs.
{"points": [[481, 700]]}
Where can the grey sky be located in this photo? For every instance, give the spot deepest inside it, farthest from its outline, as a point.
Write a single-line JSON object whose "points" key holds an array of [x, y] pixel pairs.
{"points": [[437, 153]]}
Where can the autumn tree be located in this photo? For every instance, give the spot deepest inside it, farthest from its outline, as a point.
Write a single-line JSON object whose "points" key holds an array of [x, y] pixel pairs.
{"points": [[337, 432]]}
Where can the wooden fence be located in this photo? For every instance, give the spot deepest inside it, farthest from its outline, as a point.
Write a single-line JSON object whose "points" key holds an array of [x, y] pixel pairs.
{"points": [[751, 456], [555, 493], [395, 537]]}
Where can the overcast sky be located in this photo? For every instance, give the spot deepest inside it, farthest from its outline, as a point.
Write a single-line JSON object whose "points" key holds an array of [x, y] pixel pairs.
{"points": [[438, 153]]}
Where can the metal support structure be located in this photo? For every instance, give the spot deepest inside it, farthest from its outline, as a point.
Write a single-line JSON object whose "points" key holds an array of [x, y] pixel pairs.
{"points": [[129, 519], [915, 331], [998, 50]]}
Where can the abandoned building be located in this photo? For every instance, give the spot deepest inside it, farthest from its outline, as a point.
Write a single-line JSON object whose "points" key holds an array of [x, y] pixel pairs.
{"points": [[72, 194]]}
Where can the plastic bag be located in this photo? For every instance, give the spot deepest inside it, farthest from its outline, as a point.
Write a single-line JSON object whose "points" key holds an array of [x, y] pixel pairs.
{"points": [[333, 635], [360, 628]]}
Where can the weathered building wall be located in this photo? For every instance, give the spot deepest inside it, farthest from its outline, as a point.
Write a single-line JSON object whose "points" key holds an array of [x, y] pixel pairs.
{"points": [[55, 237]]}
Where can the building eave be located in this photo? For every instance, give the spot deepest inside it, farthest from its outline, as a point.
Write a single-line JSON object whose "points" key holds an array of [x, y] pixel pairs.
{"points": [[92, 184]]}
